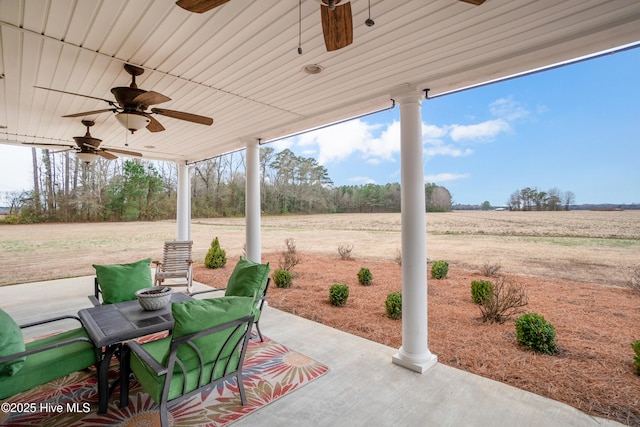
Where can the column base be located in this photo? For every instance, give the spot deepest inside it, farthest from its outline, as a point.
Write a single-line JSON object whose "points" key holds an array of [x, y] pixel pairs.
{"points": [[415, 363]]}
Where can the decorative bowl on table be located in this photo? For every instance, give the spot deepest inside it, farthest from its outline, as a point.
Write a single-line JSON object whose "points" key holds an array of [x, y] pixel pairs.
{"points": [[154, 298]]}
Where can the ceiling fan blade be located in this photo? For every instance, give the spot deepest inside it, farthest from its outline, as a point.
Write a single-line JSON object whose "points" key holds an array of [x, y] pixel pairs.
{"points": [[76, 94], [90, 113], [125, 152], [48, 146], [106, 155], [151, 98], [194, 118], [337, 26], [200, 6], [154, 125], [475, 2]]}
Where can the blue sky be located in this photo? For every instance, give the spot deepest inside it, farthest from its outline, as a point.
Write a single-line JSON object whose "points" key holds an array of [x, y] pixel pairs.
{"points": [[575, 128]]}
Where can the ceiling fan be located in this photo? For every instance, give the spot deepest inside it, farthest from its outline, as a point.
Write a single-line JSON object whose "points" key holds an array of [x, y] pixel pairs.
{"points": [[88, 148], [337, 20], [131, 104]]}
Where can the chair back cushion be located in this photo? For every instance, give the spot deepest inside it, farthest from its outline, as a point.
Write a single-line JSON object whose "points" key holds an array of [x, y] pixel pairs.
{"points": [[11, 342], [119, 282], [197, 315], [248, 279]]}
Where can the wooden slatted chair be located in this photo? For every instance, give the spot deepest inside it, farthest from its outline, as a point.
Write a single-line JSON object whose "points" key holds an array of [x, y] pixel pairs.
{"points": [[176, 264]]}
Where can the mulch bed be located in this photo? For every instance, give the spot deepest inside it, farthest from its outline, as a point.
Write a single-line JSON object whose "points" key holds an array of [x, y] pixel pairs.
{"points": [[595, 325]]}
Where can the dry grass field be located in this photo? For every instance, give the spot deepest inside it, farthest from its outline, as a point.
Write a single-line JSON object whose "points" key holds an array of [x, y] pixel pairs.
{"points": [[585, 246], [573, 264]]}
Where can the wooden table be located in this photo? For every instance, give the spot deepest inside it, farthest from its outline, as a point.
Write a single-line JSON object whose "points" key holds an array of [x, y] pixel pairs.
{"points": [[110, 325]]}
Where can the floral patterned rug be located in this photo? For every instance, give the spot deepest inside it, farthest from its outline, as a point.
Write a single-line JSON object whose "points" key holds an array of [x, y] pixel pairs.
{"points": [[271, 371]]}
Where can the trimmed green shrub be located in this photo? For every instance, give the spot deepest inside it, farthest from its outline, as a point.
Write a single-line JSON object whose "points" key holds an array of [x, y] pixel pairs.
{"points": [[481, 290], [282, 278], [636, 360], [439, 269], [364, 276], [533, 331], [338, 294], [394, 305], [216, 256]]}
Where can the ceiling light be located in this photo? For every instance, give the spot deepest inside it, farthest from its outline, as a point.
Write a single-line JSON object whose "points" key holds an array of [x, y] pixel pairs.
{"points": [[133, 121], [88, 157], [312, 68]]}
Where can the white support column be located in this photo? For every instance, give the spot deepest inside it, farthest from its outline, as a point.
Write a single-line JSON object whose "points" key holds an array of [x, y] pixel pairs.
{"points": [[183, 210], [252, 202], [414, 353]]}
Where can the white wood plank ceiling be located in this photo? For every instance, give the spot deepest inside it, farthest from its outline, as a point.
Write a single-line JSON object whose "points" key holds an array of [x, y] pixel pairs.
{"points": [[239, 63]]}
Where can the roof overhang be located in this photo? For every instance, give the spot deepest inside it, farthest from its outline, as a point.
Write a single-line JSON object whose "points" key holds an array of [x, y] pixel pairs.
{"points": [[239, 62]]}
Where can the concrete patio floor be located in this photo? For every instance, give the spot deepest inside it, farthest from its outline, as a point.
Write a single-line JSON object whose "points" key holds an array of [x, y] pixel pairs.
{"points": [[362, 388]]}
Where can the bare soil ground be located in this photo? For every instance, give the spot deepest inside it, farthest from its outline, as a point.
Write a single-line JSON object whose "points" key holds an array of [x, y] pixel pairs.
{"points": [[595, 325], [573, 264]]}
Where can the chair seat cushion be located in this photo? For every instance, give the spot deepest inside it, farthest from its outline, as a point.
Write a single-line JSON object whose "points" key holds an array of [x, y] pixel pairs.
{"points": [[193, 316], [248, 279], [153, 384], [40, 368], [11, 342], [119, 282]]}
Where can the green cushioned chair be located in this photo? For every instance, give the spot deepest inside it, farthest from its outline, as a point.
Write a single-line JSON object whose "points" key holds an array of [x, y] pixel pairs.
{"points": [[247, 279], [207, 346], [24, 366], [119, 282]]}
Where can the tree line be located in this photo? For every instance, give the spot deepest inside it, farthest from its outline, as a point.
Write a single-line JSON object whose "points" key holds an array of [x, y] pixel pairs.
{"points": [[531, 199], [68, 190]]}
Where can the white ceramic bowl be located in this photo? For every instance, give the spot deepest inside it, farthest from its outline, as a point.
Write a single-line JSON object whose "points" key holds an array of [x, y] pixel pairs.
{"points": [[154, 298]]}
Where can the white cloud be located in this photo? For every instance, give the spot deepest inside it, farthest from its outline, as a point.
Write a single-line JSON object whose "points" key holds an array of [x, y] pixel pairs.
{"points": [[281, 144], [362, 180], [439, 178], [443, 149], [336, 143], [481, 131], [508, 109]]}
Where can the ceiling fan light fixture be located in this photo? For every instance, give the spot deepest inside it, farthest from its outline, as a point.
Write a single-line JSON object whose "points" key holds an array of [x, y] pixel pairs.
{"points": [[132, 121], [87, 157], [313, 68]]}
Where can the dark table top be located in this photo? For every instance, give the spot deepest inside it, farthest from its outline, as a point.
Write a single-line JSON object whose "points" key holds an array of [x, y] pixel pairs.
{"points": [[114, 323]]}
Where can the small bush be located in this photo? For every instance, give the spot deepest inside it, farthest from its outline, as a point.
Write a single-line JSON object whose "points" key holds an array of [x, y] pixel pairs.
{"points": [[489, 269], [533, 331], [338, 294], [633, 281], [345, 252], [636, 360], [364, 276], [282, 278], [481, 290], [393, 305], [216, 256], [439, 269], [398, 258], [507, 299], [290, 257]]}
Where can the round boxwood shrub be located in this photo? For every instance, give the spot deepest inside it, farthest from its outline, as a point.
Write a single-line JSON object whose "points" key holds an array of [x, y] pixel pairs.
{"points": [[364, 276], [533, 331], [481, 290], [338, 294], [394, 305], [216, 256], [282, 278], [439, 269]]}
